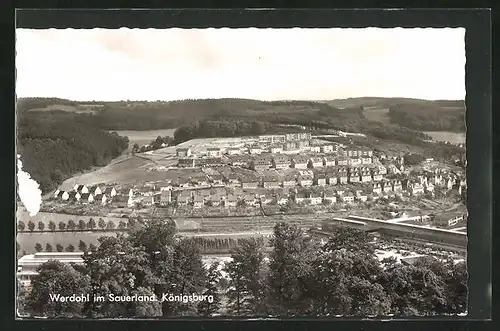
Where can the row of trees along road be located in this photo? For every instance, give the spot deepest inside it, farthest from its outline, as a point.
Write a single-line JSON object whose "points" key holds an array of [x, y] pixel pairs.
{"points": [[299, 277]]}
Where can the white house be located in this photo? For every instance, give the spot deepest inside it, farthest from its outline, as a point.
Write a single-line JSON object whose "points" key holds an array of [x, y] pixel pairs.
{"points": [[328, 161], [110, 191], [63, 195], [327, 148], [315, 162], [315, 199], [315, 149], [82, 189], [183, 152]]}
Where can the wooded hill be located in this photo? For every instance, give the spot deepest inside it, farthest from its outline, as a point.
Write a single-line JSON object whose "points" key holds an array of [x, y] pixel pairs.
{"points": [[416, 114]]}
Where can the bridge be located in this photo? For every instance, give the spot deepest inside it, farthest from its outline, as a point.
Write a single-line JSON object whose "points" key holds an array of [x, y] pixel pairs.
{"points": [[449, 238]]}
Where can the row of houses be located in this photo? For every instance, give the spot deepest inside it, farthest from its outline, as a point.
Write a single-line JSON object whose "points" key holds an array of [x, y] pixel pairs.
{"points": [[281, 161]]}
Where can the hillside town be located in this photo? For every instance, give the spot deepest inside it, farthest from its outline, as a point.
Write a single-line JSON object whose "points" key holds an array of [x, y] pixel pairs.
{"points": [[281, 170]]}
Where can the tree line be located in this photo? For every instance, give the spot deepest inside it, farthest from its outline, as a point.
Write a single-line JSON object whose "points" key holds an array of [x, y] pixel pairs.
{"points": [[428, 118], [299, 277], [71, 225], [55, 146]]}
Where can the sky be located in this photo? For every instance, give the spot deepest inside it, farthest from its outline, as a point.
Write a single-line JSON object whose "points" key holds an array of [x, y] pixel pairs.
{"points": [[251, 63]]}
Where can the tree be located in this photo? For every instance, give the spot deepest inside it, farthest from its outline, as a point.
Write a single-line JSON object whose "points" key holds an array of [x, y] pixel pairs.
{"points": [[56, 278], [21, 226], [59, 247], [62, 225], [110, 225], [92, 247], [41, 226], [145, 308], [38, 247], [187, 275], [81, 225], [122, 225], [211, 307], [52, 226], [290, 270], [82, 246], [247, 296], [91, 225], [119, 268], [31, 225], [131, 223], [71, 225], [101, 223], [48, 248], [70, 248]]}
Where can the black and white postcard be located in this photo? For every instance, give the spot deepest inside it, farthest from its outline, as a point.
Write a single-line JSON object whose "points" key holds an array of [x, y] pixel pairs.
{"points": [[223, 172]]}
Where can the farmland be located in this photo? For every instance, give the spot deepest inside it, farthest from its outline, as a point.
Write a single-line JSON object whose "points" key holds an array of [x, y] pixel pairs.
{"points": [[451, 137], [144, 137], [377, 114]]}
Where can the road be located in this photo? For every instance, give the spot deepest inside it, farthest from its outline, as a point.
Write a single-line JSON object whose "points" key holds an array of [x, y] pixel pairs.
{"points": [[227, 234]]}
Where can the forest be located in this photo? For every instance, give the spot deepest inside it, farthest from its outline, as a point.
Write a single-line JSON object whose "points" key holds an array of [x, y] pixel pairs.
{"points": [[427, 118], [54, 146], [294, 275]]}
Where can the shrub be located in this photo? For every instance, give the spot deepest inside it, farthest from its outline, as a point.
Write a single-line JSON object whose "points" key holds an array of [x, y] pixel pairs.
{"points": [[92, 247], [21, 226], [122, 225], [38, 247], [31, 226], [101, 224], [48, 248], [62, 225], [82, 225], [70, 248], [91, 225], [52, 226], [131, 223], [71, 225], [41, 226], [110, 225], [82, 246], [59, 247]]}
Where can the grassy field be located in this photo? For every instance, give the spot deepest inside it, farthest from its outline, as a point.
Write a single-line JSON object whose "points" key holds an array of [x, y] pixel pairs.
{"points": [[23, 215], [144, 137], [377, 114]]}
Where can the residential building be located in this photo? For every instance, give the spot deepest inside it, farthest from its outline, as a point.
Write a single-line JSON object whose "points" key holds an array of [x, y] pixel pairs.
{"points": [[198, 201], [74, 196], [82, 189], [233, 180], [354, 176], [231, 201], [327, 148], [328, 161], [355, 161], [315, 162], [216, 200], [186, 163], [298, 136], [300, 197], [376, 176], [415, 188], [281, 162], [331, 178], [315, 198], [233, 151], [63, 195], [250, 200], [299, 162], [214, 151], [397, 186], [342, 161], [366, 176], [320, 179], [255, 150], [361, 196], [347, 198], [315, 149], [428, 186], [261, 163], [266, 199], [276, 149], [183, 198], [95, 190], [109, 191], [329, 197], [87, 197], [366, 160], [249, 183], [343, 176], [305, 181], [100, 198], [183, 152], [270, 181], [290, 180], [240, 161], [386, 186], [340, 191], [376, 188], [281, 199]]}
